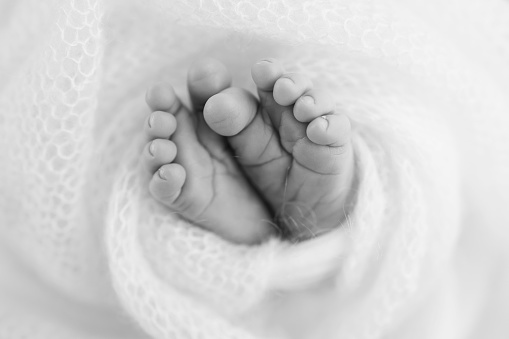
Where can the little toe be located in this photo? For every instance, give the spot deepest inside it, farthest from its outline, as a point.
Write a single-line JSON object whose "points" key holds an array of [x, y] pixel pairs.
{"points": [[162, 97], [205, 78], [229, 112], [313, 104], [320, 159], [157, 153], [329, 130], [265, 73], [166, 184], [289, 87], [160, 125]]}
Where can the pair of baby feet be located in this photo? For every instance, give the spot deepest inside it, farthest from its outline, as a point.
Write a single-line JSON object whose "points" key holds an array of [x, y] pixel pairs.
{"points": [[247, 168]]}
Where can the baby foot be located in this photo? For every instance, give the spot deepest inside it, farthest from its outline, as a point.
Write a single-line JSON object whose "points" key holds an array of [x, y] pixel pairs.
{"points": [[193, 171], [293, 144]]}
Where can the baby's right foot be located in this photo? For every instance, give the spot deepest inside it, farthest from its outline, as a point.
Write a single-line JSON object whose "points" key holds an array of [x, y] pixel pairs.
{"points": [[293, 144]]}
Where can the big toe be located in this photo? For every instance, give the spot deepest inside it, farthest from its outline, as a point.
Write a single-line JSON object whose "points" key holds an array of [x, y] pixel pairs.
{"points": [[229, 112], [205, 78]]}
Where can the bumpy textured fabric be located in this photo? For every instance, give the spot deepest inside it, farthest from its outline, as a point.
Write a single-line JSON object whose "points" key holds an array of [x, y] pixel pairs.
{"points": [[86, 253]]}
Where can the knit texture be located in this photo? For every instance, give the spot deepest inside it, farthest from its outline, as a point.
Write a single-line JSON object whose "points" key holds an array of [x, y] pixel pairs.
{"points": [[87, 253]]}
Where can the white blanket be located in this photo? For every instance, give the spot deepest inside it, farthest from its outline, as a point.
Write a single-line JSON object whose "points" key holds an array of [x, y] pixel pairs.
{"points": [[86, 253]]}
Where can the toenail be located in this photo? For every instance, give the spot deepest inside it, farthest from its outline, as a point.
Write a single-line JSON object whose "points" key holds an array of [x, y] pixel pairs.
{"points": [[290, 79], [324, 117], [152, 149], [264, 61], [151, 121], [199, 74], [162, 174], [308, 100]]}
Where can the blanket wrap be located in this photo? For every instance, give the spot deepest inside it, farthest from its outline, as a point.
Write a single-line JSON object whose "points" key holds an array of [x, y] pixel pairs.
{"points": [[86, 252]]}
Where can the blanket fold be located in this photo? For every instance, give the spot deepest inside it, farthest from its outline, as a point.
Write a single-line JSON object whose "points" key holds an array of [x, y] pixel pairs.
{"points": [[102, 259]]}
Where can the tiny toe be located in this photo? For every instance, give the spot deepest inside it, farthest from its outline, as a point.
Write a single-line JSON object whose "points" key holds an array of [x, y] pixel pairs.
{"points": [[166, 184], [205, 78], [322, 159], [162, 97], [158, 152], [160, 125], [266, 72], [290, 87], [329, 130], [313, 104], [230, 111]]}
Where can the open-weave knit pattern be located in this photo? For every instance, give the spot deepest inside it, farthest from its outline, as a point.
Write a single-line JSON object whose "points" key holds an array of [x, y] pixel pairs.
{"points": [[87, 253]]}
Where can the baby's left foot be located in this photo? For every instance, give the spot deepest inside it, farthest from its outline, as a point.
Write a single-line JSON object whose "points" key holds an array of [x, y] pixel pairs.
{"points": [[193, 171]]}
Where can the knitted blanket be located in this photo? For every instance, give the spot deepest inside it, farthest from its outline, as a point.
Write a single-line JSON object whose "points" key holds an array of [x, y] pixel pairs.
{"points": [[85, 252]]}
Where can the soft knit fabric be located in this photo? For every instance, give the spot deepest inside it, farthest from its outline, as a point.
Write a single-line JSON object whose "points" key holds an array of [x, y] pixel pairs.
{"points": [[85, 252]]}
